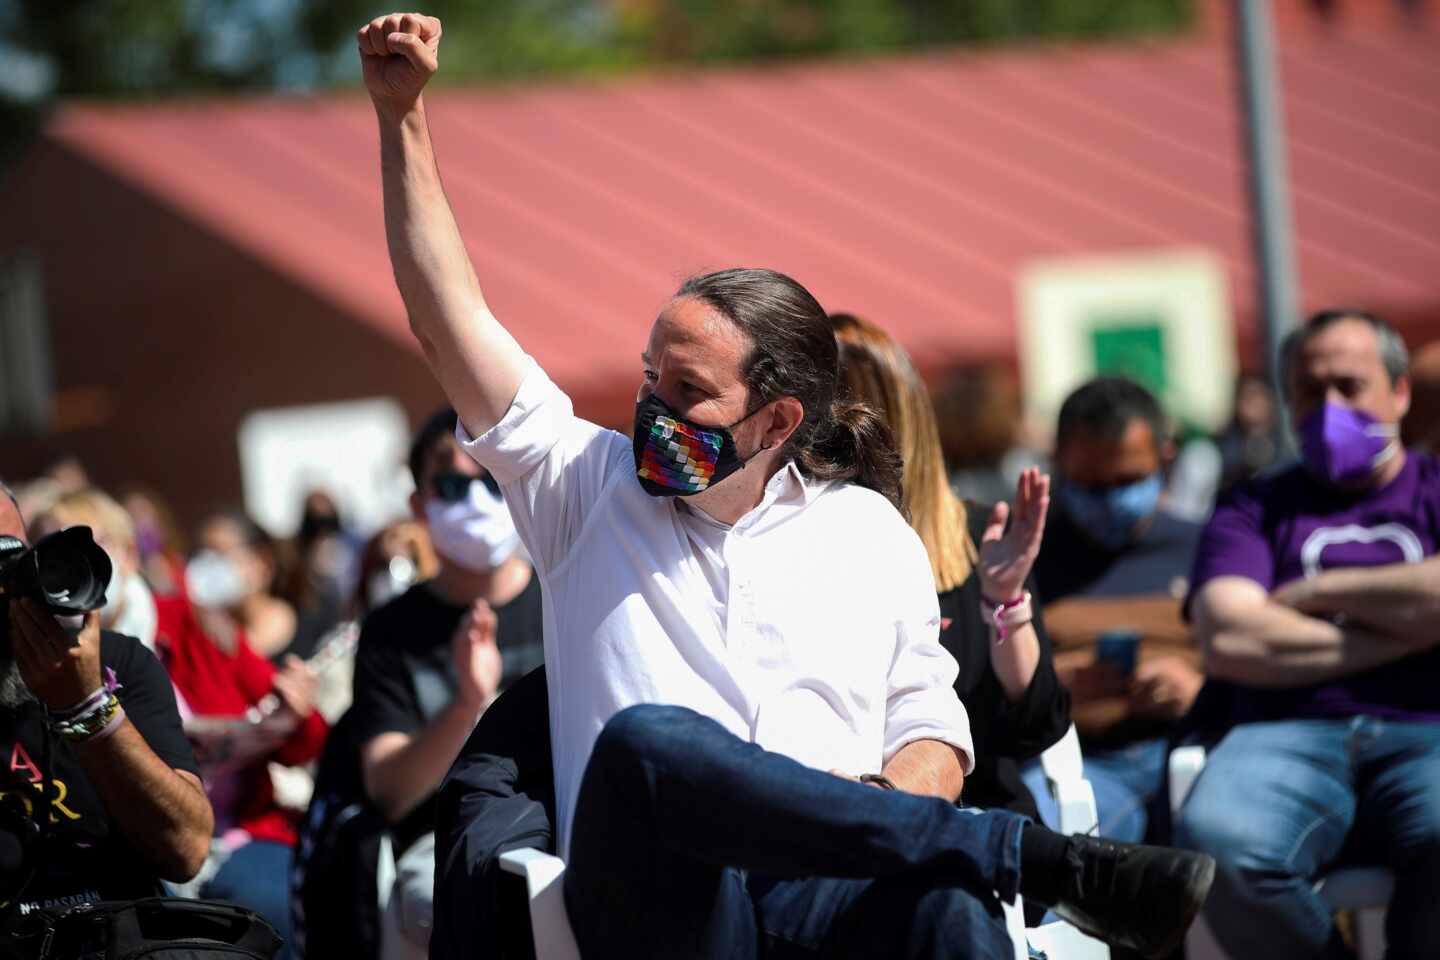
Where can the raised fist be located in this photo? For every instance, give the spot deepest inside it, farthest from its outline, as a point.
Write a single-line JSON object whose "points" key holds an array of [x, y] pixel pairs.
{"points": [[398, 54]]}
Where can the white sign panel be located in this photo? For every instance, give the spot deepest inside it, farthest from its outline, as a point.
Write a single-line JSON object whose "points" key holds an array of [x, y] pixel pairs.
{"points": [[354, 450], [1161, 318]]}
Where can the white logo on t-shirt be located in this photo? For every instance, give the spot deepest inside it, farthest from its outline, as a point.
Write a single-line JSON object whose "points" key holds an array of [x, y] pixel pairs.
{"points": [[1398, 534]]}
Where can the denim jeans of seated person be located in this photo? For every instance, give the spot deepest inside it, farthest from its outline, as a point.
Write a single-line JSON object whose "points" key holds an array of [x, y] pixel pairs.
{"points": [[690, 842], [1279, 803]]}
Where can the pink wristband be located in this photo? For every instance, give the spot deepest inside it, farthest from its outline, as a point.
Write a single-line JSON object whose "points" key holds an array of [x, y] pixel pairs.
{"points": [[1006, 617]]}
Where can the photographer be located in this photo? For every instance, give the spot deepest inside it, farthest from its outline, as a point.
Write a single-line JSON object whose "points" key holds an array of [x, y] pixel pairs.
{"points": [[103, 803]]}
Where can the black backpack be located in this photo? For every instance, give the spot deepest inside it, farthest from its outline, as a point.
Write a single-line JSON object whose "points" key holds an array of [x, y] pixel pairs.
{"points": [[334, 906], [158, 928]]}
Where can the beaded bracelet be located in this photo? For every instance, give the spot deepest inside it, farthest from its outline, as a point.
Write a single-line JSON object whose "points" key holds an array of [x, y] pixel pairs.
{"points": [[97, 722], [109, 684]]}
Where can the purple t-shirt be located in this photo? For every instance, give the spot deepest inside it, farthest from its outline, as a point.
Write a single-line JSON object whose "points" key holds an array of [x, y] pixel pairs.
{"points": [[1290, 526]]}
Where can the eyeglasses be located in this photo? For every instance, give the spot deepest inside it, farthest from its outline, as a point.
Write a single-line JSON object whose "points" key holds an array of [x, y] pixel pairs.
{"points": [[453, 487]]}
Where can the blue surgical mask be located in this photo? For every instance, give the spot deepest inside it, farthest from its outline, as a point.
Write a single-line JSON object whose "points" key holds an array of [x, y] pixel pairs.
{"points": [[1109, 517]]}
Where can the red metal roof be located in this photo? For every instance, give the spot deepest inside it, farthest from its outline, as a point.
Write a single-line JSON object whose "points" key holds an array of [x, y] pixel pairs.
{"points": [[909, 189]]}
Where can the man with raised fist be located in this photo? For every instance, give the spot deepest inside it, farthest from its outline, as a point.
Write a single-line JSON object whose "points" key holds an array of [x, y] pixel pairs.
{"points": [[735, 613]]}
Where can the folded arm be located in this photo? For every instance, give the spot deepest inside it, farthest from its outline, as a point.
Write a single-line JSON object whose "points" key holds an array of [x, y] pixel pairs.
{"points": [[1250, 638], [1400, 600]]}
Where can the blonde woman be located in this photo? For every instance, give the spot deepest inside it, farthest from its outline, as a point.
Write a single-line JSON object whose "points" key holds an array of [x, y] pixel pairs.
{"points": [[981, 559]]}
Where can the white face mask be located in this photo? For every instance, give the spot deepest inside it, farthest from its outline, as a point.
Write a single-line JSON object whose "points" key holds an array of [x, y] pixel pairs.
{"points": [[212, 580], [138, 618], [476, 532]]}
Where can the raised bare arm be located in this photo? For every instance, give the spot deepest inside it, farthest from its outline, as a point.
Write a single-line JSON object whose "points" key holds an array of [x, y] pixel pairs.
{"points": [[477, 361]]}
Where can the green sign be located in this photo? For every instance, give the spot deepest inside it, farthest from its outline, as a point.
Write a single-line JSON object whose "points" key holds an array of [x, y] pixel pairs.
{"points": [[1132, 347]]}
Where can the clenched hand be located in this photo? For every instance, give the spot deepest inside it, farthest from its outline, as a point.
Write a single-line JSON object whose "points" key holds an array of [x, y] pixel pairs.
{"points": [[398, 55]]}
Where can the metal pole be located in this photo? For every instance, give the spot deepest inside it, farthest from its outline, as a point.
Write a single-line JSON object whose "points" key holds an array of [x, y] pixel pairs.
{"points": [[1269, 190]]}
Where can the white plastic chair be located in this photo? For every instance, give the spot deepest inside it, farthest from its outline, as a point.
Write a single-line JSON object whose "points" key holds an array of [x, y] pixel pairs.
{"points": [[544, 875], [554, 940], [1366, 890], [1065, 774]]}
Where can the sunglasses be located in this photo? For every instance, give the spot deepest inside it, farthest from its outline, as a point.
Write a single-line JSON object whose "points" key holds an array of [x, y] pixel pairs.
{"points": [[454, 487]]}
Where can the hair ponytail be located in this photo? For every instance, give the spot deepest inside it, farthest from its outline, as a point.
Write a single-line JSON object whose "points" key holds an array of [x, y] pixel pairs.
{"points": [[858, 447]]}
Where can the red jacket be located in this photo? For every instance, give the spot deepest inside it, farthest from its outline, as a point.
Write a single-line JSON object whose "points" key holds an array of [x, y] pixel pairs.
{"points": [[219, 684]]}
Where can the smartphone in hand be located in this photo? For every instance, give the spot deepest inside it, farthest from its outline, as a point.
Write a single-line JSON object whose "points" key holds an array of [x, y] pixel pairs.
{"points": [[1118, 647]]}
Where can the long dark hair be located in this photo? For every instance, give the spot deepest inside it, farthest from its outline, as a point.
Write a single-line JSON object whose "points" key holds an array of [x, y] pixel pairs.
{"points": [[794, 354]]}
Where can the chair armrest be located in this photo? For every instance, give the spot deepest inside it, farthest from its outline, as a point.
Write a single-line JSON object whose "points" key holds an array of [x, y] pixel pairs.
{"points": [[1079, 812], [384, 871], [549, 921], [1014, 913], [1062, 760], [1065, 772], [1185, 765]]}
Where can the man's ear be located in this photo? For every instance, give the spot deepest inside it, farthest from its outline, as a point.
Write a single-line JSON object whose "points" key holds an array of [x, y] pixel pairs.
{"points": [[417, 506], [786, 415], [1402, 397]]}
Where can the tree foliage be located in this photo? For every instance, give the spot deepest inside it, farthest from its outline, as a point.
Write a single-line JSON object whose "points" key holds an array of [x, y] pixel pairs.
{"points": [[148, 47]]}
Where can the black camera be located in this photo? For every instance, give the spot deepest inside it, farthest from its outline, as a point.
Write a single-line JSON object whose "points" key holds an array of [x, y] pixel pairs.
{"points": [[66, 571]]}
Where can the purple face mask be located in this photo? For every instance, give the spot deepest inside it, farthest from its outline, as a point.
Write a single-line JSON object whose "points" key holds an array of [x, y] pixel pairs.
{"points": [[1345, 446]]}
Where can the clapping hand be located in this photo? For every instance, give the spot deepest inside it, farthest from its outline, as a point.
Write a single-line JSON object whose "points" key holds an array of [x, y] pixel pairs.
{"points": [[477, 657], [1006, 556]]}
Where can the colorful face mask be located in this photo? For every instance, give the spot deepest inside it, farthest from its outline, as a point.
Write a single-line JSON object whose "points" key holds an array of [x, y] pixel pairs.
{"points": [[676, 458], [1345, 446]]}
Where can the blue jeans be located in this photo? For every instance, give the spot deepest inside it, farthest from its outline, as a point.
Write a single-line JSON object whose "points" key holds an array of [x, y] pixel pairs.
{"points": [[257, 876], [1126, 782], [1279, 803], [690, 842]]}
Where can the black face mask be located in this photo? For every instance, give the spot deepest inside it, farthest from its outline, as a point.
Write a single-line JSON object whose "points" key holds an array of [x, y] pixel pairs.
{"points": [[675, 457]]}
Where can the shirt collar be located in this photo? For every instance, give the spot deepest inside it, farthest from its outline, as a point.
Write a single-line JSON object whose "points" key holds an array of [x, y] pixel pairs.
{"points": [[787, 491]]}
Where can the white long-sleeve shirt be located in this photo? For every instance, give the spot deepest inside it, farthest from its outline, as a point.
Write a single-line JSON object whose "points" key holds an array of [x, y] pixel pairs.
{"points": [[810, 627]]}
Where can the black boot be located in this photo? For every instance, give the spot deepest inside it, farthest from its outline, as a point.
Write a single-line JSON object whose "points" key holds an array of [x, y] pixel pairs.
{"points": [[1130, 896]]}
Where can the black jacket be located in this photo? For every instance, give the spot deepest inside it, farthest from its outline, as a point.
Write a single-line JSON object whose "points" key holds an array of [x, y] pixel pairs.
{"points": [[498, 796]]}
